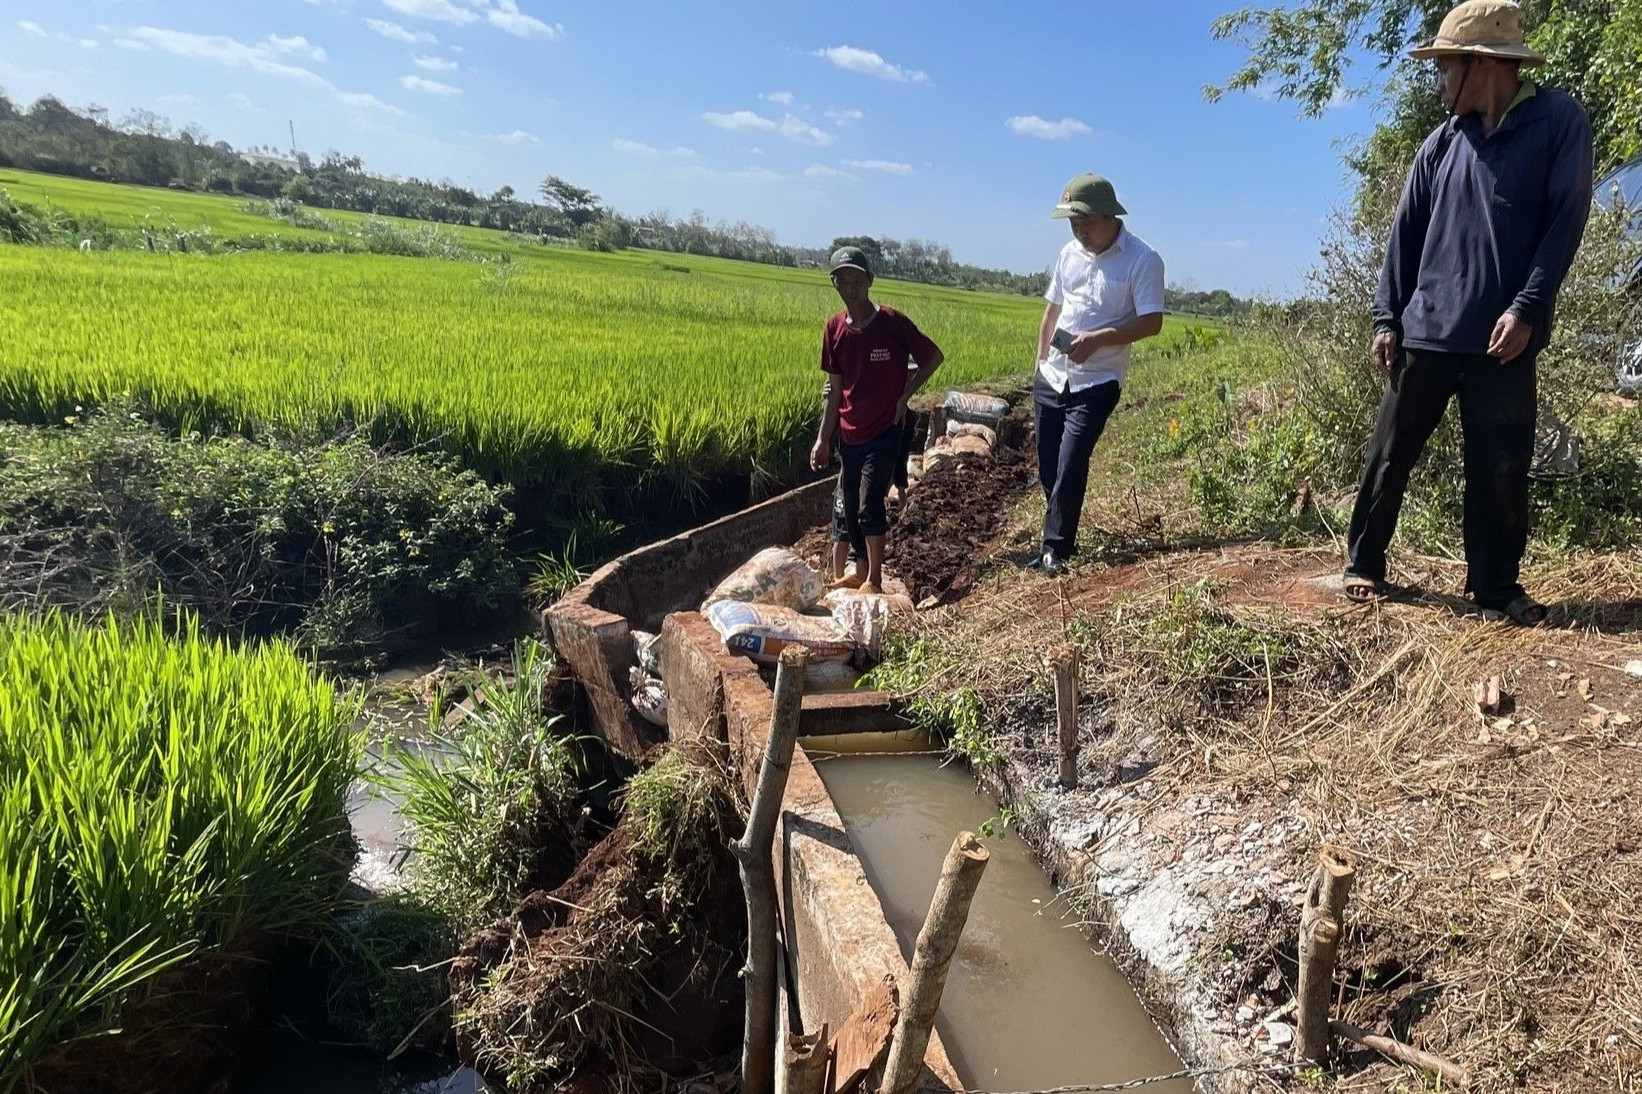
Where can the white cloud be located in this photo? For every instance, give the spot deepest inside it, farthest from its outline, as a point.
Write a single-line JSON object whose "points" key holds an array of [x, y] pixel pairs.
{"points": [[886, 166], [639, 148], [176, 100], [90, 43], [757, 175], [742, 121], [796, 129], [227, 51], [1030, 125], [1230, 244], [132, 44], [1341, 98], [793, 128], [436, 64], [780, 98], [298, 44], [31, 28], [843, 117], [507, 16], [426, 86], [243, 101], [398, 33], [322, 3], [822, 171], [518, 136], [868, 63], [364, 101], [442, 11]]}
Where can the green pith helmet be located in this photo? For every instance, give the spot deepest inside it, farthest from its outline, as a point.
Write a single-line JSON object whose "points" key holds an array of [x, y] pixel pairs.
{"points": [[1087, 196]]}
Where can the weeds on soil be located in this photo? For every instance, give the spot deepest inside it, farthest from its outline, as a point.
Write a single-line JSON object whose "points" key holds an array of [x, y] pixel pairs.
{"points": [[566, 983]]}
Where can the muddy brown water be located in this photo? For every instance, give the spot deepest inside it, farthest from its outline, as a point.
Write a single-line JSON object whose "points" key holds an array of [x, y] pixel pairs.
{"points": [[1029, 1004]]}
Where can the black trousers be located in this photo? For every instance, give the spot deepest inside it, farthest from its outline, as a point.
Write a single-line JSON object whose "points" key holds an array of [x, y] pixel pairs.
{"points": [[1068, 425], [863, 485], [1497, 413]]}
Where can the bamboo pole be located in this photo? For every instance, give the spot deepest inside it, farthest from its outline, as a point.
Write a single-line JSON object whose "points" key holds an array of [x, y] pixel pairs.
{"points": [[948, 911], [753, 853], [1405, 1054], [1320, 921], [1064, 662], [805, 1065]]}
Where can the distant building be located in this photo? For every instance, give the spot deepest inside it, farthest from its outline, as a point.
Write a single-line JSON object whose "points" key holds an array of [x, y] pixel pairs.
{"points": [[258, 159]]}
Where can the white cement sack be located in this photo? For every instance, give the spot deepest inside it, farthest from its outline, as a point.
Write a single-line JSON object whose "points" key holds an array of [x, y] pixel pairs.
{"points": [[647, 649], [956, 429], [829, 676], [649, 696], [773, 576], [762, 631], [985, 409], [865, 620]]}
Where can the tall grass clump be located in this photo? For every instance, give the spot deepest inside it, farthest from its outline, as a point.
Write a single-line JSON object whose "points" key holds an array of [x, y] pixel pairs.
{"points": [[494, 805], [164, 799]]}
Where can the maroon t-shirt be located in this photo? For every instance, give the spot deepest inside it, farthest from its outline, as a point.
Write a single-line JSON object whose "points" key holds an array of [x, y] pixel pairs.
{"points": [[872, 362]]}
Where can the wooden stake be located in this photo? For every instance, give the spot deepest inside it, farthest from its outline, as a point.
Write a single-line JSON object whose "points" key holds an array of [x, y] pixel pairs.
{"points": [[1064, 662], [948, 912], [805, 1066], [753, 852], [1405, 1054], [1320, 921]]}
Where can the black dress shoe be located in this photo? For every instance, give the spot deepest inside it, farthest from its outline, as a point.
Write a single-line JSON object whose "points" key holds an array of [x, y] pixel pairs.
{"points": [[1035, 564], [1049, 562]]}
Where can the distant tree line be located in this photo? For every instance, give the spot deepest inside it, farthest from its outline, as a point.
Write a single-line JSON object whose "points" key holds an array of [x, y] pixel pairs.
{"points": [[143, 148], [1216, 302]]}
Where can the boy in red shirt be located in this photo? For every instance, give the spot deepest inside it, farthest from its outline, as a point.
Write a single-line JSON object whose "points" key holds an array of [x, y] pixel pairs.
{"points": [[864, 351]]}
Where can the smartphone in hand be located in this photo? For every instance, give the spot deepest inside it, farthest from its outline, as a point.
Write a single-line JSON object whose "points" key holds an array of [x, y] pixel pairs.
{"points": [[1062, 339]]}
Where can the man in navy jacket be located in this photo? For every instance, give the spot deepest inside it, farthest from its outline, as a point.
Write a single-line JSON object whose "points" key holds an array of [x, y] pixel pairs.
{"points": [[1490, 218]]}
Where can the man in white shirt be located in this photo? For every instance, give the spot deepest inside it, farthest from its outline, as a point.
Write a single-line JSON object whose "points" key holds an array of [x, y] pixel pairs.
{"points": [[1106, 293]]}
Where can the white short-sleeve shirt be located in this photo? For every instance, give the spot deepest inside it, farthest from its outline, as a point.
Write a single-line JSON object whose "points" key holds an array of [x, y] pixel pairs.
{"points": [[1108, 289]]}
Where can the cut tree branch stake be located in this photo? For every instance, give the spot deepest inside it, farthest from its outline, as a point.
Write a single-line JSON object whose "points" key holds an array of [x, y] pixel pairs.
{"points": [[948, 911], [753, 852], [1064, 662], [1320, 922]]}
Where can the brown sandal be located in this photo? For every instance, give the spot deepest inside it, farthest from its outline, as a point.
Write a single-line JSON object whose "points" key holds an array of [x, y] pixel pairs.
{"points": [[1363, 590]]}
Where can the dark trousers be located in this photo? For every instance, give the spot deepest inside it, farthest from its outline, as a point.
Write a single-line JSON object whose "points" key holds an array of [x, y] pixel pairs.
{"points": [[1068, 425], [863, 485], [1497, 414]]}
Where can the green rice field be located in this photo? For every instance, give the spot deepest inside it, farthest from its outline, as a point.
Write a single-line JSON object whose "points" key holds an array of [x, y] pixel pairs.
{"points": [[163, 798], [558, 366]]}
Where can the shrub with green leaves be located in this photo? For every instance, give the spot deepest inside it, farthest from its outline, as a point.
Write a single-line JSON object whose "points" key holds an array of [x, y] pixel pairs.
{"points": [[335, 538], [163, 796]]}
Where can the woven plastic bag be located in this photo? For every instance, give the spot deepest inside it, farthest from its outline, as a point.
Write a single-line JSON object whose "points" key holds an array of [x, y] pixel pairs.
{"points": [[985, 409], [762, 631], [773, 576]]}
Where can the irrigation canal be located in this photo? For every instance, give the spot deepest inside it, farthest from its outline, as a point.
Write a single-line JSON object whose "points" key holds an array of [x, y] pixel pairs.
{"points": [[1029, 1004]]}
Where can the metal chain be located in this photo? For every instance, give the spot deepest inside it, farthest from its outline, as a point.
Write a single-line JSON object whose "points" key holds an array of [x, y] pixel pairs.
{"points": [[1135, 1084]]}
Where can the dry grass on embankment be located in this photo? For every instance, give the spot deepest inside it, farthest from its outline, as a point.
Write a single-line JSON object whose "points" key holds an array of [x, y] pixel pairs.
{"points": [[1495, 920]]}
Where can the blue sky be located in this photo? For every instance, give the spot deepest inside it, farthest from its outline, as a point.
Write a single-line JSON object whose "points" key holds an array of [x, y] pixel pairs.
{"points": [[957, 122]]}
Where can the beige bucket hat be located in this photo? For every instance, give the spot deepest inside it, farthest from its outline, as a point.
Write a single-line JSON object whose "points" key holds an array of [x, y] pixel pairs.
{"points": [[1484, 28]]}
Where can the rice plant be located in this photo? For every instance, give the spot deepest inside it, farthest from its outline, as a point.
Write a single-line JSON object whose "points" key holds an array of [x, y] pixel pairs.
{"points": [[162, 796], [591, 372]]}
